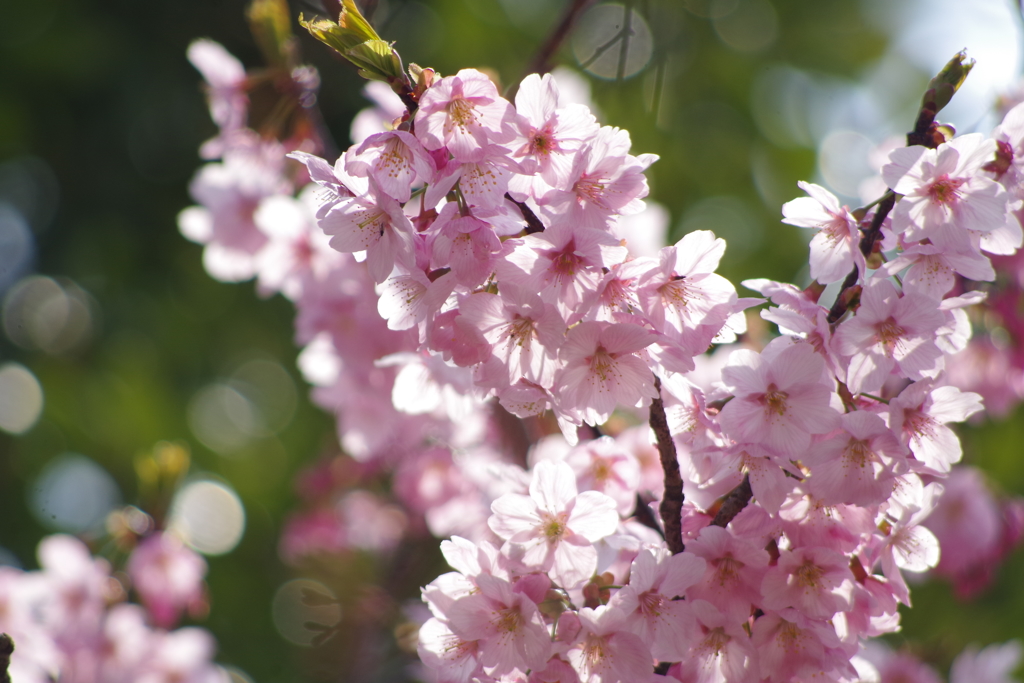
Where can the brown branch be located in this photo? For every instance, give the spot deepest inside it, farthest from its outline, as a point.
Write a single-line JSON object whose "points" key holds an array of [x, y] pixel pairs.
{"points": [[671, 507], [734, 503]]}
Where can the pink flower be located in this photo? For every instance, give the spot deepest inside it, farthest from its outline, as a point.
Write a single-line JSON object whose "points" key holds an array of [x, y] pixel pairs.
{"points": [[945, 193], [555, 527], [920, 414], [602, 369], [859, 465], [780, 398], [168, 577], [507, 626], [524, 332], [605, 180], [372, 222], [817, 582], [603, 465], [835, 248], [890, 332], [563, 265], [550, 136], [683, 294], [465, 113], [655, 578], [606, 652], [395, 160]]}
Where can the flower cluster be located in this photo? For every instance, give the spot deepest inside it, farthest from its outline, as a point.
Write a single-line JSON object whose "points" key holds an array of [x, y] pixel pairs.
{"points": [[70, 620], [471, 260]]}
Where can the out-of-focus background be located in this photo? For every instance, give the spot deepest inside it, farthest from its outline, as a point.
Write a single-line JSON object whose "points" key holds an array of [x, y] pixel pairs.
{"points": [[115, 339]]}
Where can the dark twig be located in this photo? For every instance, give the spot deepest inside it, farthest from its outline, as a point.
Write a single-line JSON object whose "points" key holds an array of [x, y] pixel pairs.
{"points": [[6, 650], [734, 503], [671, 507], [544, 59], [847, 295], [533, 223], [642, 513]]}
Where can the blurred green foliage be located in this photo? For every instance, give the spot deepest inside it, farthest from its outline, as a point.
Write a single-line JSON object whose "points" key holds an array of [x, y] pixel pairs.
{"points": [[101, 92]]}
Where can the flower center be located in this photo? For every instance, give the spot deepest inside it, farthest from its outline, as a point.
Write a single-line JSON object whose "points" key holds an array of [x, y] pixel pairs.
{"points": [[889, 334], [650, 603], [461, 112], [945, 190], [808, 574], [553, 526], [774, 400]]}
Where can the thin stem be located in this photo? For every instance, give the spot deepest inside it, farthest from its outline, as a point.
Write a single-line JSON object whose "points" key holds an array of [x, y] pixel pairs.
{"points": [[543, 60], [627, 31], [671, 507]]}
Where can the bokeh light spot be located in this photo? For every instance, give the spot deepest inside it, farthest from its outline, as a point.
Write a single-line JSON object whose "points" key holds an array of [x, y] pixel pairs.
{"points": [[209, 516], [752, 27], [17, 245], [729, 218], [42, 313], [612, 41], [843, 161], [73, 494], [21, 398], [223, 419], [302, 601]]}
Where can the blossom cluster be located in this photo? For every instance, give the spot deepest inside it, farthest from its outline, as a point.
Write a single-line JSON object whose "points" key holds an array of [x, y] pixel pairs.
{"points": [[71, 622], [474, 258]]}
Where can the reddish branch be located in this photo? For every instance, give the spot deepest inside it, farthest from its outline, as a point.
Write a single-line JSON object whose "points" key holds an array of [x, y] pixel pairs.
{"points": [[734, 503], [671, 507]]}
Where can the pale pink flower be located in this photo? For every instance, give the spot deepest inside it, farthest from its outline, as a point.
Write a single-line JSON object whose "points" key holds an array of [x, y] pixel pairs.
{"points": [[388, 108], [395, 160], [859, 465], [563, 264], [297, 254], [606, 652], [506, 624], [780, 398], [226, 85], [454, 658], [835, 248], [549, 135], [683, 293], [993, 664], [525, 333], [932, 271], [968, 524], [168, 577], [602, 369], [465, 113], [722, 650], [229, 193], [372, 222], [791, 646], [890, 333], [945, 192], [655, 578], [920, 414], [603, 465], [605, 180], [817, 582], [734, 571], [556, 527]]}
